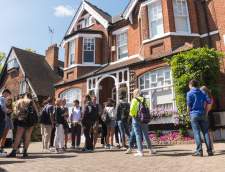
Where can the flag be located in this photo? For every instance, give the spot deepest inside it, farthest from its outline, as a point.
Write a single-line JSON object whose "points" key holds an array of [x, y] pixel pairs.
{"points": [[50, 30]]}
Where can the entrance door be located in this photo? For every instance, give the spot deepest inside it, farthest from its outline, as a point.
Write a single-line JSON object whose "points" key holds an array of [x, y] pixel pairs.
{"points": [[106, 90]]}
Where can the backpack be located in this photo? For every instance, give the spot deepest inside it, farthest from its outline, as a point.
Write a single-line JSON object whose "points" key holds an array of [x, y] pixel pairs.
{"points": [[45, 117], [2, 114], [92, 114], [143, 112], [32, 117], [105, 117], [124, 111]]}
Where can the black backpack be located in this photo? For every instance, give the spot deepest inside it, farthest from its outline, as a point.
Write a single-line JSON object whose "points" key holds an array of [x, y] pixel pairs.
{"points": [[2, 114], [45, 117], [93, 114], [32, 117], [124, 111]]}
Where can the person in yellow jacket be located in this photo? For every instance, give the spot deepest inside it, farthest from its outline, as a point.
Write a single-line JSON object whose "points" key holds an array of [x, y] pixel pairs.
{"points": [[138, 128]]}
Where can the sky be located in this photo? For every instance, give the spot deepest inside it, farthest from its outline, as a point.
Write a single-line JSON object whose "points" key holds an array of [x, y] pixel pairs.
{"points": [[24, 23]]}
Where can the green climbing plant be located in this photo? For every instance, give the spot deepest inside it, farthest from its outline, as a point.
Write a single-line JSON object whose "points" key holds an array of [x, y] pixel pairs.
{"points": [[202, 64]]}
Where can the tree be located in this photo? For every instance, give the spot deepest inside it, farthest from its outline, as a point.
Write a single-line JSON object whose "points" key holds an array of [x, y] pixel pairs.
{"points": [[2, 56], [31, 50], [202, 64]]}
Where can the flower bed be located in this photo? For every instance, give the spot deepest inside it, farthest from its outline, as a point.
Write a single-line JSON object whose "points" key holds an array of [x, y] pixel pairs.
{"points": [[173, 137]]}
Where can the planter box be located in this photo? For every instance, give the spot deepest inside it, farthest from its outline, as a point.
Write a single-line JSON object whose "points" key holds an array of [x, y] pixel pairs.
{"points": [[163, 120]]}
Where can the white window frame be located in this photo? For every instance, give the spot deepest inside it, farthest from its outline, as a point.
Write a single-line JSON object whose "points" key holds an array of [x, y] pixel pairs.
{"points": [[64, 95], [182, 16], [119, 46], [86, 38], [150, 73], [71, 53], [149, 19], [23, 87]]}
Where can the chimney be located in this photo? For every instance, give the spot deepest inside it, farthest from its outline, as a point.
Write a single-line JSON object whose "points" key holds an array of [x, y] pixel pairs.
{"points": [[51, 56]]}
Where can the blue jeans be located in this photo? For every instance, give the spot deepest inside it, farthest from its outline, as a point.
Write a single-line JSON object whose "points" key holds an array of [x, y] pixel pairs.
{"points": [[200, 124], [144, 128], [136, 125], [132, 138], [123, 127]]}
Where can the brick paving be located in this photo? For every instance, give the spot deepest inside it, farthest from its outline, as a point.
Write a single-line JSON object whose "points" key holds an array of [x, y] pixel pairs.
{"points": [[169, 159]]}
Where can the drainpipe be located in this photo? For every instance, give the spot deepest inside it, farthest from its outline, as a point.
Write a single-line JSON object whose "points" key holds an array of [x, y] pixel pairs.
{"points": [[205, 7]]}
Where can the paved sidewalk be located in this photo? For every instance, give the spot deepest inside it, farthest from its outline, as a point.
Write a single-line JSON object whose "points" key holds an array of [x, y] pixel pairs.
{"points": [[169, 159]]}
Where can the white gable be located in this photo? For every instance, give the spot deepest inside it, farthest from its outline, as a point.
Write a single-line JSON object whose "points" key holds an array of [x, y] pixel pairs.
{"points": [[86, 7]]}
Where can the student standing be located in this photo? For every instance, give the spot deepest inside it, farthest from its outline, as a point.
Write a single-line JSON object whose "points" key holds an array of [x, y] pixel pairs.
{"points": [[59, 130], [26, 114], [46, 122], [75, 120], [88, 119], [3, 116], [65, 124], [196, 101], [122, 115], [140, 128], [110, 113]]}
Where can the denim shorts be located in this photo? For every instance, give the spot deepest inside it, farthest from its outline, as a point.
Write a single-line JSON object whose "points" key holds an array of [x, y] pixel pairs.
{"points": [[2, 128], [111, 124]]}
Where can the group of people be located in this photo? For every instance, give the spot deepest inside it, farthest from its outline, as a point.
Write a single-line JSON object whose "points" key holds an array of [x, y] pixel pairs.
{"points": [[127, 123]]}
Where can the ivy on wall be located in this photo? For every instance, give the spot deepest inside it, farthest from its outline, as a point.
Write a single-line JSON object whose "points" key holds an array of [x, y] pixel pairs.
{"points": [[202, 64]]}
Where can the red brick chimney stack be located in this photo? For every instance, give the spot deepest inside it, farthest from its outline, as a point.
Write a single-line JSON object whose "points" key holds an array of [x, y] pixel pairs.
{"points": [[51, 56]]}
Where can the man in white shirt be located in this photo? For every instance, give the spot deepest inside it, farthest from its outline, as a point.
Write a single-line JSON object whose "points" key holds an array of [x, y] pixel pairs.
{"points": [[75, 119]]}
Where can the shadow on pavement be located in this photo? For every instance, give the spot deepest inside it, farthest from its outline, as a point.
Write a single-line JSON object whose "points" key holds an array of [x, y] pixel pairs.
{"points": [[39, 156], [2, 170], [10, 162]]}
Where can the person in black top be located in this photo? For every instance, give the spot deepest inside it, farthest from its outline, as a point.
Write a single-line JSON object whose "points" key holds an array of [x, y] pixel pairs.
{"points": [[65, 124], [59, 130], [122, 114], [88, 119], [46, 121], [95, 128]]}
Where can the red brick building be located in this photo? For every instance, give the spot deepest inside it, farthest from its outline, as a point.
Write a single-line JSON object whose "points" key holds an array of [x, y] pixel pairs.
{"points": [[25, 71], [105, 54]]}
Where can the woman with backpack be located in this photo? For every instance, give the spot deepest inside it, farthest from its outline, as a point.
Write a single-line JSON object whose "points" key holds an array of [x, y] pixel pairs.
{"points": [[46, 121], [109, 117], [26, 114], [122, 114], [140, 114]]}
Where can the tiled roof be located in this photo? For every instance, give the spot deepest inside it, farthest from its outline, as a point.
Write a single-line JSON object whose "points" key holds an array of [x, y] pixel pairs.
{"points": [[42, 78]]}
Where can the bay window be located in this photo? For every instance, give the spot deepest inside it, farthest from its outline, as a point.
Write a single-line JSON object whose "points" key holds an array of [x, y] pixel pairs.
{"points": [[157, 88], [181, 16], [71, 52], [155, 16], [122, 49], [89, 50]]}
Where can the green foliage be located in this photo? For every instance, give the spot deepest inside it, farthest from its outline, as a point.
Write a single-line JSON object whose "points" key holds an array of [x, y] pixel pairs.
{"points": [[2, 56], [202, 64]]}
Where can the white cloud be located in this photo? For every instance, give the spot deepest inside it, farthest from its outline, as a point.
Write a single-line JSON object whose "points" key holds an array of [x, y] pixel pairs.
{"points": [[63, 11]]}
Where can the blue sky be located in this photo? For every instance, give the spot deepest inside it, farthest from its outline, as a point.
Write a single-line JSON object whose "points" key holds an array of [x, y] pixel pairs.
{"points": [[24, 23]]}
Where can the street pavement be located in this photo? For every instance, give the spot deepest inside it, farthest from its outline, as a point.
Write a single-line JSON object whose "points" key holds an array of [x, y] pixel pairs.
{"points": [[175, 158]]}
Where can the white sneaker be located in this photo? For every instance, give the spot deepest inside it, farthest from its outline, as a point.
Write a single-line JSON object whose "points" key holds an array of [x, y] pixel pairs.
{"points": [[128, 151], [140, 154], [152, 152]]}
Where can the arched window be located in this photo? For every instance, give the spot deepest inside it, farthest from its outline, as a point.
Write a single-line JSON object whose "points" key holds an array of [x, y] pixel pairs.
{"points": [[71, 95], [157, 87]]}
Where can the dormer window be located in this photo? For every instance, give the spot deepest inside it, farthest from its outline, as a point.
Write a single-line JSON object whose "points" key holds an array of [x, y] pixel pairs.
{"points": [[71, 53], [86, 22], [155, 19], [23, 87], [12, 64], [89, 50], [181, 16], [122, 48]]}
